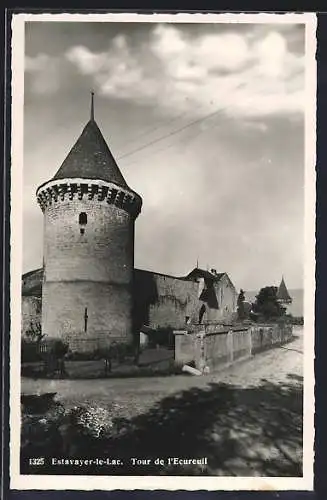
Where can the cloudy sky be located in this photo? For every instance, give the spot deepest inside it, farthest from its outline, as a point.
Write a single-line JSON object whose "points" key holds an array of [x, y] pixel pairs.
{"points": [[206, 123]]}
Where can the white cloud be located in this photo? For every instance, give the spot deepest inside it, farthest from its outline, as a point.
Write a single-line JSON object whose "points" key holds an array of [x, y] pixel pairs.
{"points": [[43, 72], [88, 62], [242, 75]]}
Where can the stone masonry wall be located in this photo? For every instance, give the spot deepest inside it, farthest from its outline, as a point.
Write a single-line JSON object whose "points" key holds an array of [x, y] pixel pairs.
{"points": [[104, 253], [224, 348], [92, 271], [176, 300], [108, 312]]}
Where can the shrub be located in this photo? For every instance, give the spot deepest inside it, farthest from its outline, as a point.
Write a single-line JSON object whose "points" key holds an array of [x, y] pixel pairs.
{"points": [[92, 421], [70, 431], [40, 431], [34, 332]]}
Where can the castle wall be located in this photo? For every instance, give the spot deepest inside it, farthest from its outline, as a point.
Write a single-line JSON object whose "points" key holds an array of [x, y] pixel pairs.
{"points": [[163, 301], [177, 300], [156, 300]]}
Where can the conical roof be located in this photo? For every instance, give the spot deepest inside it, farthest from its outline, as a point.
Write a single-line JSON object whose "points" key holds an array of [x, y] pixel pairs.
{"points": [[90, 158], [282, 292]]}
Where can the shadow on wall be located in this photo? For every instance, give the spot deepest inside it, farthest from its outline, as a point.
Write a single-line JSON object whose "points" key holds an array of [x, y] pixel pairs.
{"points": [[209, 296], [255, 431]]}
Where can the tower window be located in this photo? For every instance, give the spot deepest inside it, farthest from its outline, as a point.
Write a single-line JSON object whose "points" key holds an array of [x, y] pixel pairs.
{"points": [[82, 220]]}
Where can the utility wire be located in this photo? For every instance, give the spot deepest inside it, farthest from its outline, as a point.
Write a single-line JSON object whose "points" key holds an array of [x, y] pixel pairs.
{"points": [[160, 124], [187, 139], [182, 140], [174, 132]]}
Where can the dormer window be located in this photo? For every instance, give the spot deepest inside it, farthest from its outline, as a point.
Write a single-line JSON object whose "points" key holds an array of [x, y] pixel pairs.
{"points": [[82, 220]]}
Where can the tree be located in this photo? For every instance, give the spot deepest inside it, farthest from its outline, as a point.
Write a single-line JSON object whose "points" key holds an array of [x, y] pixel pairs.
{"points": [[240, 305], [31, 343], [34, 333], [267, 305]]}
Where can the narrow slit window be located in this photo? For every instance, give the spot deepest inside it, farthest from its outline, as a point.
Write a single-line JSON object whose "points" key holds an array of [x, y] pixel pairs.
{"points": [[85, 320], [82, 220]]}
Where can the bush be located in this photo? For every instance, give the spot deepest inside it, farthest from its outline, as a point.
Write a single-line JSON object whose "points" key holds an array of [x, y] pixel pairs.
{"points": [[67, 431], [92, 421]]}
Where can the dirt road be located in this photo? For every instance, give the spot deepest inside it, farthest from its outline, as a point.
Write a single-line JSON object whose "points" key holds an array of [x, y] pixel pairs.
{"points": [[242, 421], [275, 366]]}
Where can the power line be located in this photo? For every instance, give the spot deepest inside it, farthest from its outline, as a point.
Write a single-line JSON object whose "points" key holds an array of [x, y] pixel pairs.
{"points": [[161, 124], [185, 139], [171, 145], [174, 132], [165, 123]]}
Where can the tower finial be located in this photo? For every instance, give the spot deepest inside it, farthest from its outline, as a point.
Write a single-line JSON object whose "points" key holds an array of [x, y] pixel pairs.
{"points": [[92, 105]]}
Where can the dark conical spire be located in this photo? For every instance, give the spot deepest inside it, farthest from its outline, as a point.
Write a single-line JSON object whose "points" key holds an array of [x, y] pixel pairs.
{"points": [[282, 292], [90, 157]]}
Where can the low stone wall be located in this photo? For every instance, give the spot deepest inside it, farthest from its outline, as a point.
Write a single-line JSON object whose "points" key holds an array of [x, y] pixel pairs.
{"points": [[264, 337], [206, 347], [185, 347], [218, 349]]}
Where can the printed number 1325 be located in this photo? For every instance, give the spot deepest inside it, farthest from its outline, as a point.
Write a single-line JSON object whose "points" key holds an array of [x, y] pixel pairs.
{"points": [[36, 461]]}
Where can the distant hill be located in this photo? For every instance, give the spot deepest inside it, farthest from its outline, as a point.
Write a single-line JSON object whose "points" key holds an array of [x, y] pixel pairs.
{"points": [[296, 308]]}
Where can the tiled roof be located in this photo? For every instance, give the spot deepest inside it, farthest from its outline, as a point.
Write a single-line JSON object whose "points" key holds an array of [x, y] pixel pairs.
{"points": [[90, 158], [201, 273]]}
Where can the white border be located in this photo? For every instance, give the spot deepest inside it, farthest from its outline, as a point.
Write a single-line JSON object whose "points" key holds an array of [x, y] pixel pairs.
{"points": [[26, 482]]}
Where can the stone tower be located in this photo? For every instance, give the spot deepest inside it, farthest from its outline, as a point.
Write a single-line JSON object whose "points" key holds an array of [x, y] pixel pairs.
{"points": [[89, 217]]}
